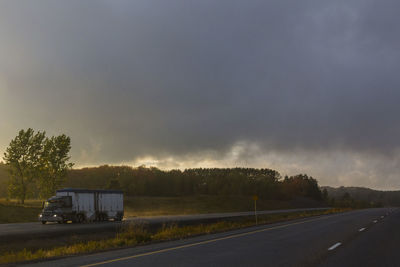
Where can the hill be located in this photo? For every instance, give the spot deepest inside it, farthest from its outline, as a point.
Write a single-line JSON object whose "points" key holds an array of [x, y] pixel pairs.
{"points": [[386, 198]]}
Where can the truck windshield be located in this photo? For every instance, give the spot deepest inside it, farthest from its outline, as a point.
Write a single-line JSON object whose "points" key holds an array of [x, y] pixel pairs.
{"points": [[52, 204]]}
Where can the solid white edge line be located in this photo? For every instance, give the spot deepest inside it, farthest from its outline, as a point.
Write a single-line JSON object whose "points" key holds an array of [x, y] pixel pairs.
{"points": [[335, 246], [362, 229]]}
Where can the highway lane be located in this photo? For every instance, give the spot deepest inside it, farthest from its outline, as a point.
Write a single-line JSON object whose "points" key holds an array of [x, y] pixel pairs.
{"points": [[36, 229], [378, 246], [318, 241]]}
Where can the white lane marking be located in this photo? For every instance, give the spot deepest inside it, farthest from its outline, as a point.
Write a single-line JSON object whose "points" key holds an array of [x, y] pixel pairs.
{"points": [[335, 246], [375, 221], [362, 229], [382, 217]]}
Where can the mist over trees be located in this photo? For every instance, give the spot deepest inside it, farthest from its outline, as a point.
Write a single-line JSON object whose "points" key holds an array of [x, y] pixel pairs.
{"points": [[360, 197], [37, 165], [266, 183]]}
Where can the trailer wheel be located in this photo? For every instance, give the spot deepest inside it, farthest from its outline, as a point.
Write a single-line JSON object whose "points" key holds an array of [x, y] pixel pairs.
{"points": [[44, 222]]}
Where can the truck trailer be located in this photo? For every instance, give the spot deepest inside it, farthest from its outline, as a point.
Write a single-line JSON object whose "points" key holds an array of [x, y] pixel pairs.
{"points": [[83, 205]]}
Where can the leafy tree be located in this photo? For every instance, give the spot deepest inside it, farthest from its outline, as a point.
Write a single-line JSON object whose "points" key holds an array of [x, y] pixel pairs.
{"points": [[301, 185], [23, 157], [54, 164]]}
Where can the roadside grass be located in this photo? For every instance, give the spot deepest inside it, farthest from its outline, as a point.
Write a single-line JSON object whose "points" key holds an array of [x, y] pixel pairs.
{"points": [[133, 234], [15, 213]]}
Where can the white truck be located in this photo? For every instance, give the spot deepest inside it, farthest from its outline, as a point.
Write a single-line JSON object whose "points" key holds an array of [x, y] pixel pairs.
{"points": [[83, 205]]}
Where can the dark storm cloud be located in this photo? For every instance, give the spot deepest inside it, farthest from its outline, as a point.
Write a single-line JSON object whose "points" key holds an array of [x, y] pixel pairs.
{"points": [[130, 79]]}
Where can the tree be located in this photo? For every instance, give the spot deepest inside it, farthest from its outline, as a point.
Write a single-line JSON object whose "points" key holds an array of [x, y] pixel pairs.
{"points": [[23, 157], [54, 164]]}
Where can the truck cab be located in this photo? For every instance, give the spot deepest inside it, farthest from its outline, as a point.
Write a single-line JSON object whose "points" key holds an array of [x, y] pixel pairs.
{"points": [[56, 209]]}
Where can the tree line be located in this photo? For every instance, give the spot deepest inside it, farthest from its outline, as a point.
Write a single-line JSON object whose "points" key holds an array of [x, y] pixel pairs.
{"points": [[37, 164], [142, 181]]}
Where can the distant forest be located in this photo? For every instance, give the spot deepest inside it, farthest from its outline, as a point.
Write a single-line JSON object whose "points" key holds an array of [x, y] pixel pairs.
{"points": [[141, 181], [265, 183]]}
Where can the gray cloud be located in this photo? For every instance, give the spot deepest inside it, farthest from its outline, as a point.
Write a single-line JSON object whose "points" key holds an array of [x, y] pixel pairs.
{"points": [[180, 81]]}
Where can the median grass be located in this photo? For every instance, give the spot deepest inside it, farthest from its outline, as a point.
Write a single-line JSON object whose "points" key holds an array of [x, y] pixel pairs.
{"points": [[10, 212], [132, 235], [152, 206]]}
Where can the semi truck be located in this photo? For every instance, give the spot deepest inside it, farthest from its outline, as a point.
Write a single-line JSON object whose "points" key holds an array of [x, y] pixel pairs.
{"points": [[83, 205]]}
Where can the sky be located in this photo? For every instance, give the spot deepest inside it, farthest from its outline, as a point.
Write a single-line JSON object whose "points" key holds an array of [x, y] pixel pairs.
{"points": [[296, 86]]}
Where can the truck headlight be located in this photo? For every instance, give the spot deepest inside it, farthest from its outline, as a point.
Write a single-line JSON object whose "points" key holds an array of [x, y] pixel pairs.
{"points": [[40, 215], [55, 215]]}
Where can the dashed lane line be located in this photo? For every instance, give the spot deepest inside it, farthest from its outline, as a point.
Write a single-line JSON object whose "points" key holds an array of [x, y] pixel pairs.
{"points": [[335, 246]]}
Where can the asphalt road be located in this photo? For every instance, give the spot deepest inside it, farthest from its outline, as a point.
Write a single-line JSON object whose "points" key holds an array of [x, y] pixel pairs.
{"points": [[36, 229], [358, 238]]}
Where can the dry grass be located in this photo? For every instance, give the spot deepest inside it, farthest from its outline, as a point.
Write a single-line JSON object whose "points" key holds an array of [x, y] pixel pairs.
{"points": [[13, 214], [29, 203], [133, 234], [151, 206]]}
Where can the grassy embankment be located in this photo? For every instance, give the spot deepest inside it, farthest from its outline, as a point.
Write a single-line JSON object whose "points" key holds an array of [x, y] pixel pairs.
{"points": [[132, 235], [11, 212]]}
